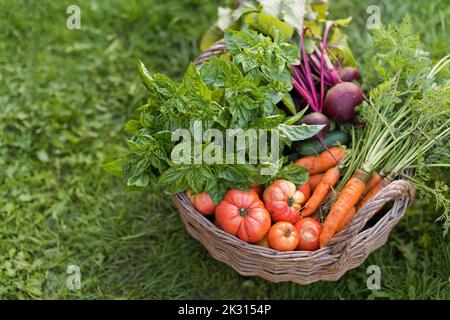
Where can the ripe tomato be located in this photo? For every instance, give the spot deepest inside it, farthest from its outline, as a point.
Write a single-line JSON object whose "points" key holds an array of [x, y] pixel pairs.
{"points": [[283, 201], [243, 214], [202, 202], [283, 236], [306, 190], [258, 189], [309, 231]]}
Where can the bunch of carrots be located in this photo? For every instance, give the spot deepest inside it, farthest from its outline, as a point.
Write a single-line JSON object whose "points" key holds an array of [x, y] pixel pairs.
{"points": [[324, 176], [399, 131]]}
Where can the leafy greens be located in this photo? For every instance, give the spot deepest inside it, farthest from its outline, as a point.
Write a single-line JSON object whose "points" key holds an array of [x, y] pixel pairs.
{"points": [[220, 94]]}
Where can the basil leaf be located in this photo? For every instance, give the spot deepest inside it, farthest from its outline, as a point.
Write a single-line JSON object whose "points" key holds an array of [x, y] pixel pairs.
{"points": [[293, 173], [299, 132]]}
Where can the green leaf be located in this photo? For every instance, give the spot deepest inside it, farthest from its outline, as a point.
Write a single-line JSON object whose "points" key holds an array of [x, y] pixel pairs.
{"points": [[293, 12], [289, 103], [225, 19], [272, 7], [132, 126], [343, 22], [341, 49], [270, 122], [217, 72], [231, 174], [243, 9], [195, 181], [218, 192], [145, 75], [140, 181], [299, 132], [293, 173], [296, 118], [194, 84], [174, 179]]}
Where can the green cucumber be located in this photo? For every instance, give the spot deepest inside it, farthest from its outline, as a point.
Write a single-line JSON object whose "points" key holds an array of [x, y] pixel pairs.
{"points": [[314, 147]]}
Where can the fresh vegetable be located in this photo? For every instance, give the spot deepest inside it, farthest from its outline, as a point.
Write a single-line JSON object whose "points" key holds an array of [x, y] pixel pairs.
{"points": [[329, 180], [312, 147], [309, 231], [314, 180], [258, 74], [348, 198], [202, 202], [317, 118], [372, 192], [305, 190], [283, 201], [269, 25], [323, 162], [243, 214], [342, 100], [346, 220], [316, 72], [349, 74], [407, 116], [374, 180], [316, 65], [283, 236]]}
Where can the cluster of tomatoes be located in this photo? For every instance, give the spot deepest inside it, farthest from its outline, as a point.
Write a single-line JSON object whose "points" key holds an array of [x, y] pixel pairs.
{"points": [[269, 217]]}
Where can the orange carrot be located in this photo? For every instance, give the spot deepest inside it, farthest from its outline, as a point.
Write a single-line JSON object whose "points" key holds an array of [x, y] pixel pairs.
{"points": [[326, 160], [307, 162], [314, 180], [348, 198], [330, 178], [374, 180], [372, 192], [348, 217]]}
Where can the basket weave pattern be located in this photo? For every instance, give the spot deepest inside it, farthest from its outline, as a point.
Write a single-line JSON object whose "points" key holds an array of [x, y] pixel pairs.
{"points": [[346, 251]]}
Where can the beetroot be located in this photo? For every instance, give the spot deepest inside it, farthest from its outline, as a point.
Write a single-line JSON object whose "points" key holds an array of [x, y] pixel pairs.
{"points": [[349, 74], [317, 118], [341, 101]]}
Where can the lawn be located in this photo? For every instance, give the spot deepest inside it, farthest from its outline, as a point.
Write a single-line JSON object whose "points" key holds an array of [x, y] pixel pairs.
{"points": [[64, 98]]}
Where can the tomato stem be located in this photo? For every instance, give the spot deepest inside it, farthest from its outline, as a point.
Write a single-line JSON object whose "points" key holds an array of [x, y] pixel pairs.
{"points": [[290, 202], [243, 212], [287, 233]]}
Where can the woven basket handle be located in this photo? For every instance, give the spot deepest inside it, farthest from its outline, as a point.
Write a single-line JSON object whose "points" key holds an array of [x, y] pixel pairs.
{"points": [[398, 190], [215, 50]]}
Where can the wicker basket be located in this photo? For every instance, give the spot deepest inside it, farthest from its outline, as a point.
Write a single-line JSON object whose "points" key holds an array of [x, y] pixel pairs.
{"points": [[346, 251]]}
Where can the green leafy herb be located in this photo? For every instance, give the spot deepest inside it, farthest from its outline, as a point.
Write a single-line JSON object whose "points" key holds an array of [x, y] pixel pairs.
{"points": [[239, 94]]}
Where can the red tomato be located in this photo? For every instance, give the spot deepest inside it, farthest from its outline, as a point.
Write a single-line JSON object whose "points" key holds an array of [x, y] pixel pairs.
{"points": [[309, 233], [306, 190], [283, 236], [243, 214], [202, 202], [283, 201], [258, 189]]}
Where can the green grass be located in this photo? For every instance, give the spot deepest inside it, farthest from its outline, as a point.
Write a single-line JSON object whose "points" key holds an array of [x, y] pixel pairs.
{"points": [[64, 97]]}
